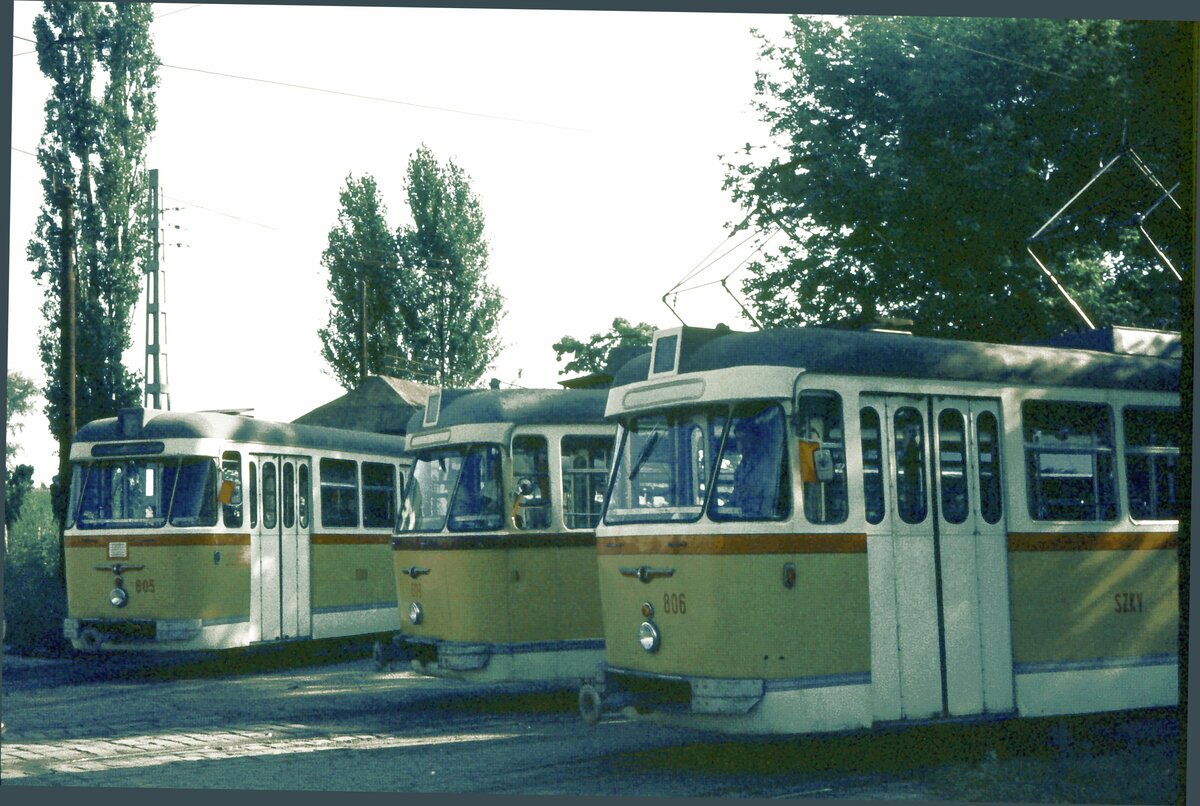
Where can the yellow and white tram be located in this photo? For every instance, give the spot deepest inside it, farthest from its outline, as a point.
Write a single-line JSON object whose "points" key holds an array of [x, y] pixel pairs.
{"points": [[212, 531], [818, 529], [494, 550]]}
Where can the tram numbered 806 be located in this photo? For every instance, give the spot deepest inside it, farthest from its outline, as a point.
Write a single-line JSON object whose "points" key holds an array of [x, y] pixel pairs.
{"points": [[815, 529], [494, 548], [213, 531]]}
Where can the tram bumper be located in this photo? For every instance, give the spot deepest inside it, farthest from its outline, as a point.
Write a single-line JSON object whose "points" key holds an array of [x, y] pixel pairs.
{"points": [[667, 694], [91, 635], [433, 655]]}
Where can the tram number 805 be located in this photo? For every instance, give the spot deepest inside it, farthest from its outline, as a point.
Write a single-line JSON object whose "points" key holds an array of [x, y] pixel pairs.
{"points": [[674, 603]]}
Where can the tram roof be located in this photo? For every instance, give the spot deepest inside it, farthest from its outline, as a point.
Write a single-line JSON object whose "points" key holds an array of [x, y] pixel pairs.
{"points": [[517, 406], [899, 355], [152, 425]]}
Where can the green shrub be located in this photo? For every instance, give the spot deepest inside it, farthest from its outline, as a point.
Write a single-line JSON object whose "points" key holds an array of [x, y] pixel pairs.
{"points": [[35, 601]]}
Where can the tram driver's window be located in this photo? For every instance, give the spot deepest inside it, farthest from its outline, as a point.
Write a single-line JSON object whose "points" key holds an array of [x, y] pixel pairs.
{"points": [[230, 491], [1069, 461], [531, 482], [339, 492], [822, 456], [1152, 439], [753, 466]]}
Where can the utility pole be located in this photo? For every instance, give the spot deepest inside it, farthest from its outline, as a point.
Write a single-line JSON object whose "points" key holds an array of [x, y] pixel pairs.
{"points": [[157, 391], [67, 324], [67, 360]]}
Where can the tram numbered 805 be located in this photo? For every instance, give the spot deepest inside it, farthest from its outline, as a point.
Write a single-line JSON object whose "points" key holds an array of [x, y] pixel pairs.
{"points": [[494, 548], [212, 531], [814, 529]]}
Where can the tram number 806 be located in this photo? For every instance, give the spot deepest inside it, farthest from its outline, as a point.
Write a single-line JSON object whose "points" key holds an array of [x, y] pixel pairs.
{"points": [[674, 603]]}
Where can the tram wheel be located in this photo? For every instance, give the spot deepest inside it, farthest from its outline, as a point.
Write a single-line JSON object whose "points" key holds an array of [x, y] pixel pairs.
{"points": [[591, 705]]}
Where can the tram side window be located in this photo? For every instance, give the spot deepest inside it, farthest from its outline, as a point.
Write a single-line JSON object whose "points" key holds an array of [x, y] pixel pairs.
{"points": [[231, 488], [952, 465], [269, 496], [339, 492], [253, 495], [987, 436], [379, 494], [289, 495], [1152, 440], [585, 463], [1069, 461], [304, 496], [752, 480], [822, 456], [910, 465], [531, 475], [872, 457]]}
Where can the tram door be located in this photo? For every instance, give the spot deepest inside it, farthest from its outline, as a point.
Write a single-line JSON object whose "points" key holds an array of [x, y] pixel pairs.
{"points": [[940, 642], [280, 604]]}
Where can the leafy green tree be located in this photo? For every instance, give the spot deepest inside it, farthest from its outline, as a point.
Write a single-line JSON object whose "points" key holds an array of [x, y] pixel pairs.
{"points": [[913, 158], [18, 479], [92, 155], [365, 280], [454, 338], [35, 602], [592, 355]]}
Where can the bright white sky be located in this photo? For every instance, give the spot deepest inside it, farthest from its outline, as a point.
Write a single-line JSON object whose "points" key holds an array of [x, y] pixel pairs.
{"points": [[601, 201]]}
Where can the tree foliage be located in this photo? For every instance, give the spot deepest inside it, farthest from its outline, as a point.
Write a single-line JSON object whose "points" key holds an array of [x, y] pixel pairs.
{"points": [[454, 338], [431, 314], [365, 279], [914, 158], [592, 355], [22, 392], [99, 117]]}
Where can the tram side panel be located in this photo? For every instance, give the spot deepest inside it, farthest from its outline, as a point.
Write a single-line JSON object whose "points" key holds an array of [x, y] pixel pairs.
{"points": [[1093, 560], [353, 576]]}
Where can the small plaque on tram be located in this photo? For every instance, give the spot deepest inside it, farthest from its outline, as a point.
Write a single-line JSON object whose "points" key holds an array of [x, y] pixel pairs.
{"points": [[118, 550]]}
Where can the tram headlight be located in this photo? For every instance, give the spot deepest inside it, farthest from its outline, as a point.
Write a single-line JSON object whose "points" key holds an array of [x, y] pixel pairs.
{"points": [[118, 597], [648, 636], [415, 612]]}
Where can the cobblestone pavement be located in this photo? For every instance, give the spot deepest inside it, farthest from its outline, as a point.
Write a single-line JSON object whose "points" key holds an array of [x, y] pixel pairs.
{"points": [[345, 727]]}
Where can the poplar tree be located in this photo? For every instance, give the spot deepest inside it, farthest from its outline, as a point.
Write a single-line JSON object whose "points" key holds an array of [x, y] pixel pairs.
{"points": [[450, 331], [367, 290], [100, 114]]}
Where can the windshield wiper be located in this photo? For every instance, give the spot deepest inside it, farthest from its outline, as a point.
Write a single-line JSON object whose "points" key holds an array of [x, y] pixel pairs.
{"points": [[645, 452]]}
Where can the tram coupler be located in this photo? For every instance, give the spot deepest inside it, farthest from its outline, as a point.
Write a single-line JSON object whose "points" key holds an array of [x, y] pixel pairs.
{"points": [[385, 653]]}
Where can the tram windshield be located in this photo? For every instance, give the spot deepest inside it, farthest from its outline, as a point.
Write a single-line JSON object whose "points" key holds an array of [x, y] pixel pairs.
{"points": [[144, 493], [454, 488], [666, 469]]}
